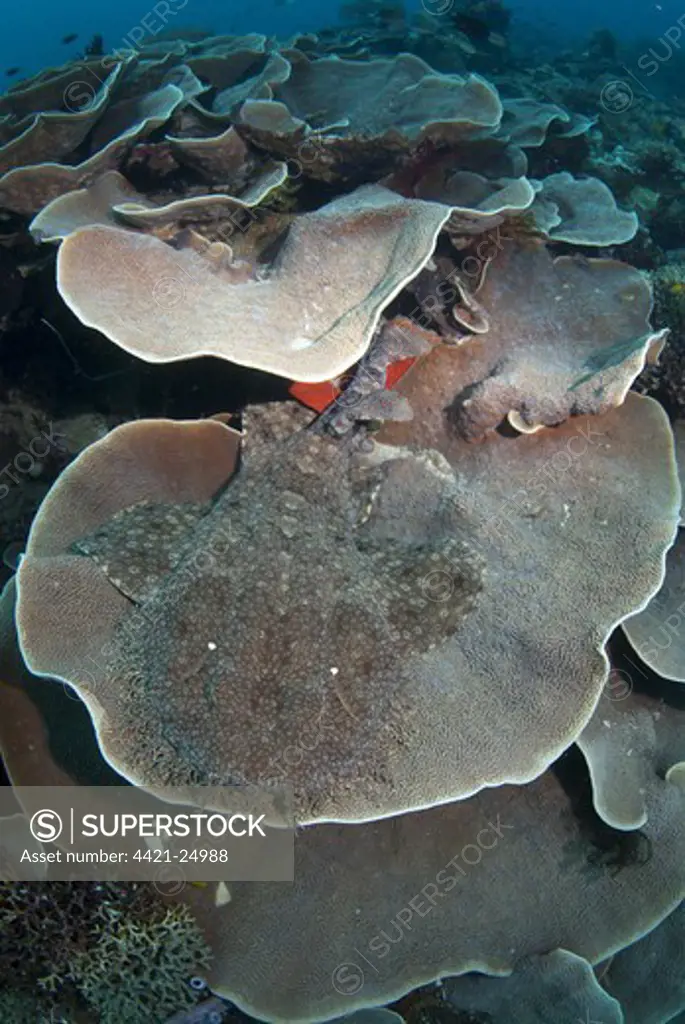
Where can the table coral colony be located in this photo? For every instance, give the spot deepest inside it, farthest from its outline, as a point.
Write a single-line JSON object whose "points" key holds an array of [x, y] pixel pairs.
{"points": [[407, 588]]}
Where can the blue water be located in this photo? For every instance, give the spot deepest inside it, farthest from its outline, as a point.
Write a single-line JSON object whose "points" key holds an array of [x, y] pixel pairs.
{"points": [[32, 31]]}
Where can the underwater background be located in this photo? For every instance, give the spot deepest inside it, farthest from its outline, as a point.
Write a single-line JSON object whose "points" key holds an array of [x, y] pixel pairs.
{"points": [[342, 434], [32, 31]]}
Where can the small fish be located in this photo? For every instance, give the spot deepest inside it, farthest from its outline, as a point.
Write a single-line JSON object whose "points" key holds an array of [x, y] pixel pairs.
{"points": [[497, 39], [70, 38], [12, 71], [96, 47], [464, 43]]}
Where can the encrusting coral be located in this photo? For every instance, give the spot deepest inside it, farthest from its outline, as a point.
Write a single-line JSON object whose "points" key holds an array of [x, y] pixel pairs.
{"points": [[559, 978], [626, 745], [448, 883], [326, 100], [582, 211], [449, 886], [28, 188], [113, 200], [293, 319], [56, 133], [544, 370], [657, 632], [647, 978], [411, 560]]}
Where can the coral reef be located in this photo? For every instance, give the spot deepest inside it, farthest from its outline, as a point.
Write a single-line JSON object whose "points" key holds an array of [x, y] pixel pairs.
{"points": [[388, 658], [463, 260], [111, 947], [559, 978], [138, 971]]}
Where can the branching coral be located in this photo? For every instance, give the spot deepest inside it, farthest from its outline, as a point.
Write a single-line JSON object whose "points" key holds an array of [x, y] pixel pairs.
{"points": [[18, 1007], [138, 971], [114, 947]]}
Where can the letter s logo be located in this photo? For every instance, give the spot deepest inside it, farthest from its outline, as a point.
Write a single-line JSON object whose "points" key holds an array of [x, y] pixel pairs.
{"points": [[46, 826]]}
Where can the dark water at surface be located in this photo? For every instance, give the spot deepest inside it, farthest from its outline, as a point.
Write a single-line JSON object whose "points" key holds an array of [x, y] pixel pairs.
{"points": [[32, 32]]}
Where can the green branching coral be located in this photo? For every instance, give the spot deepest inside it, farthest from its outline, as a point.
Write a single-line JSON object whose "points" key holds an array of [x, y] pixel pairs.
{"points": [[138, 970], [112, 947], [18, 1007]]}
